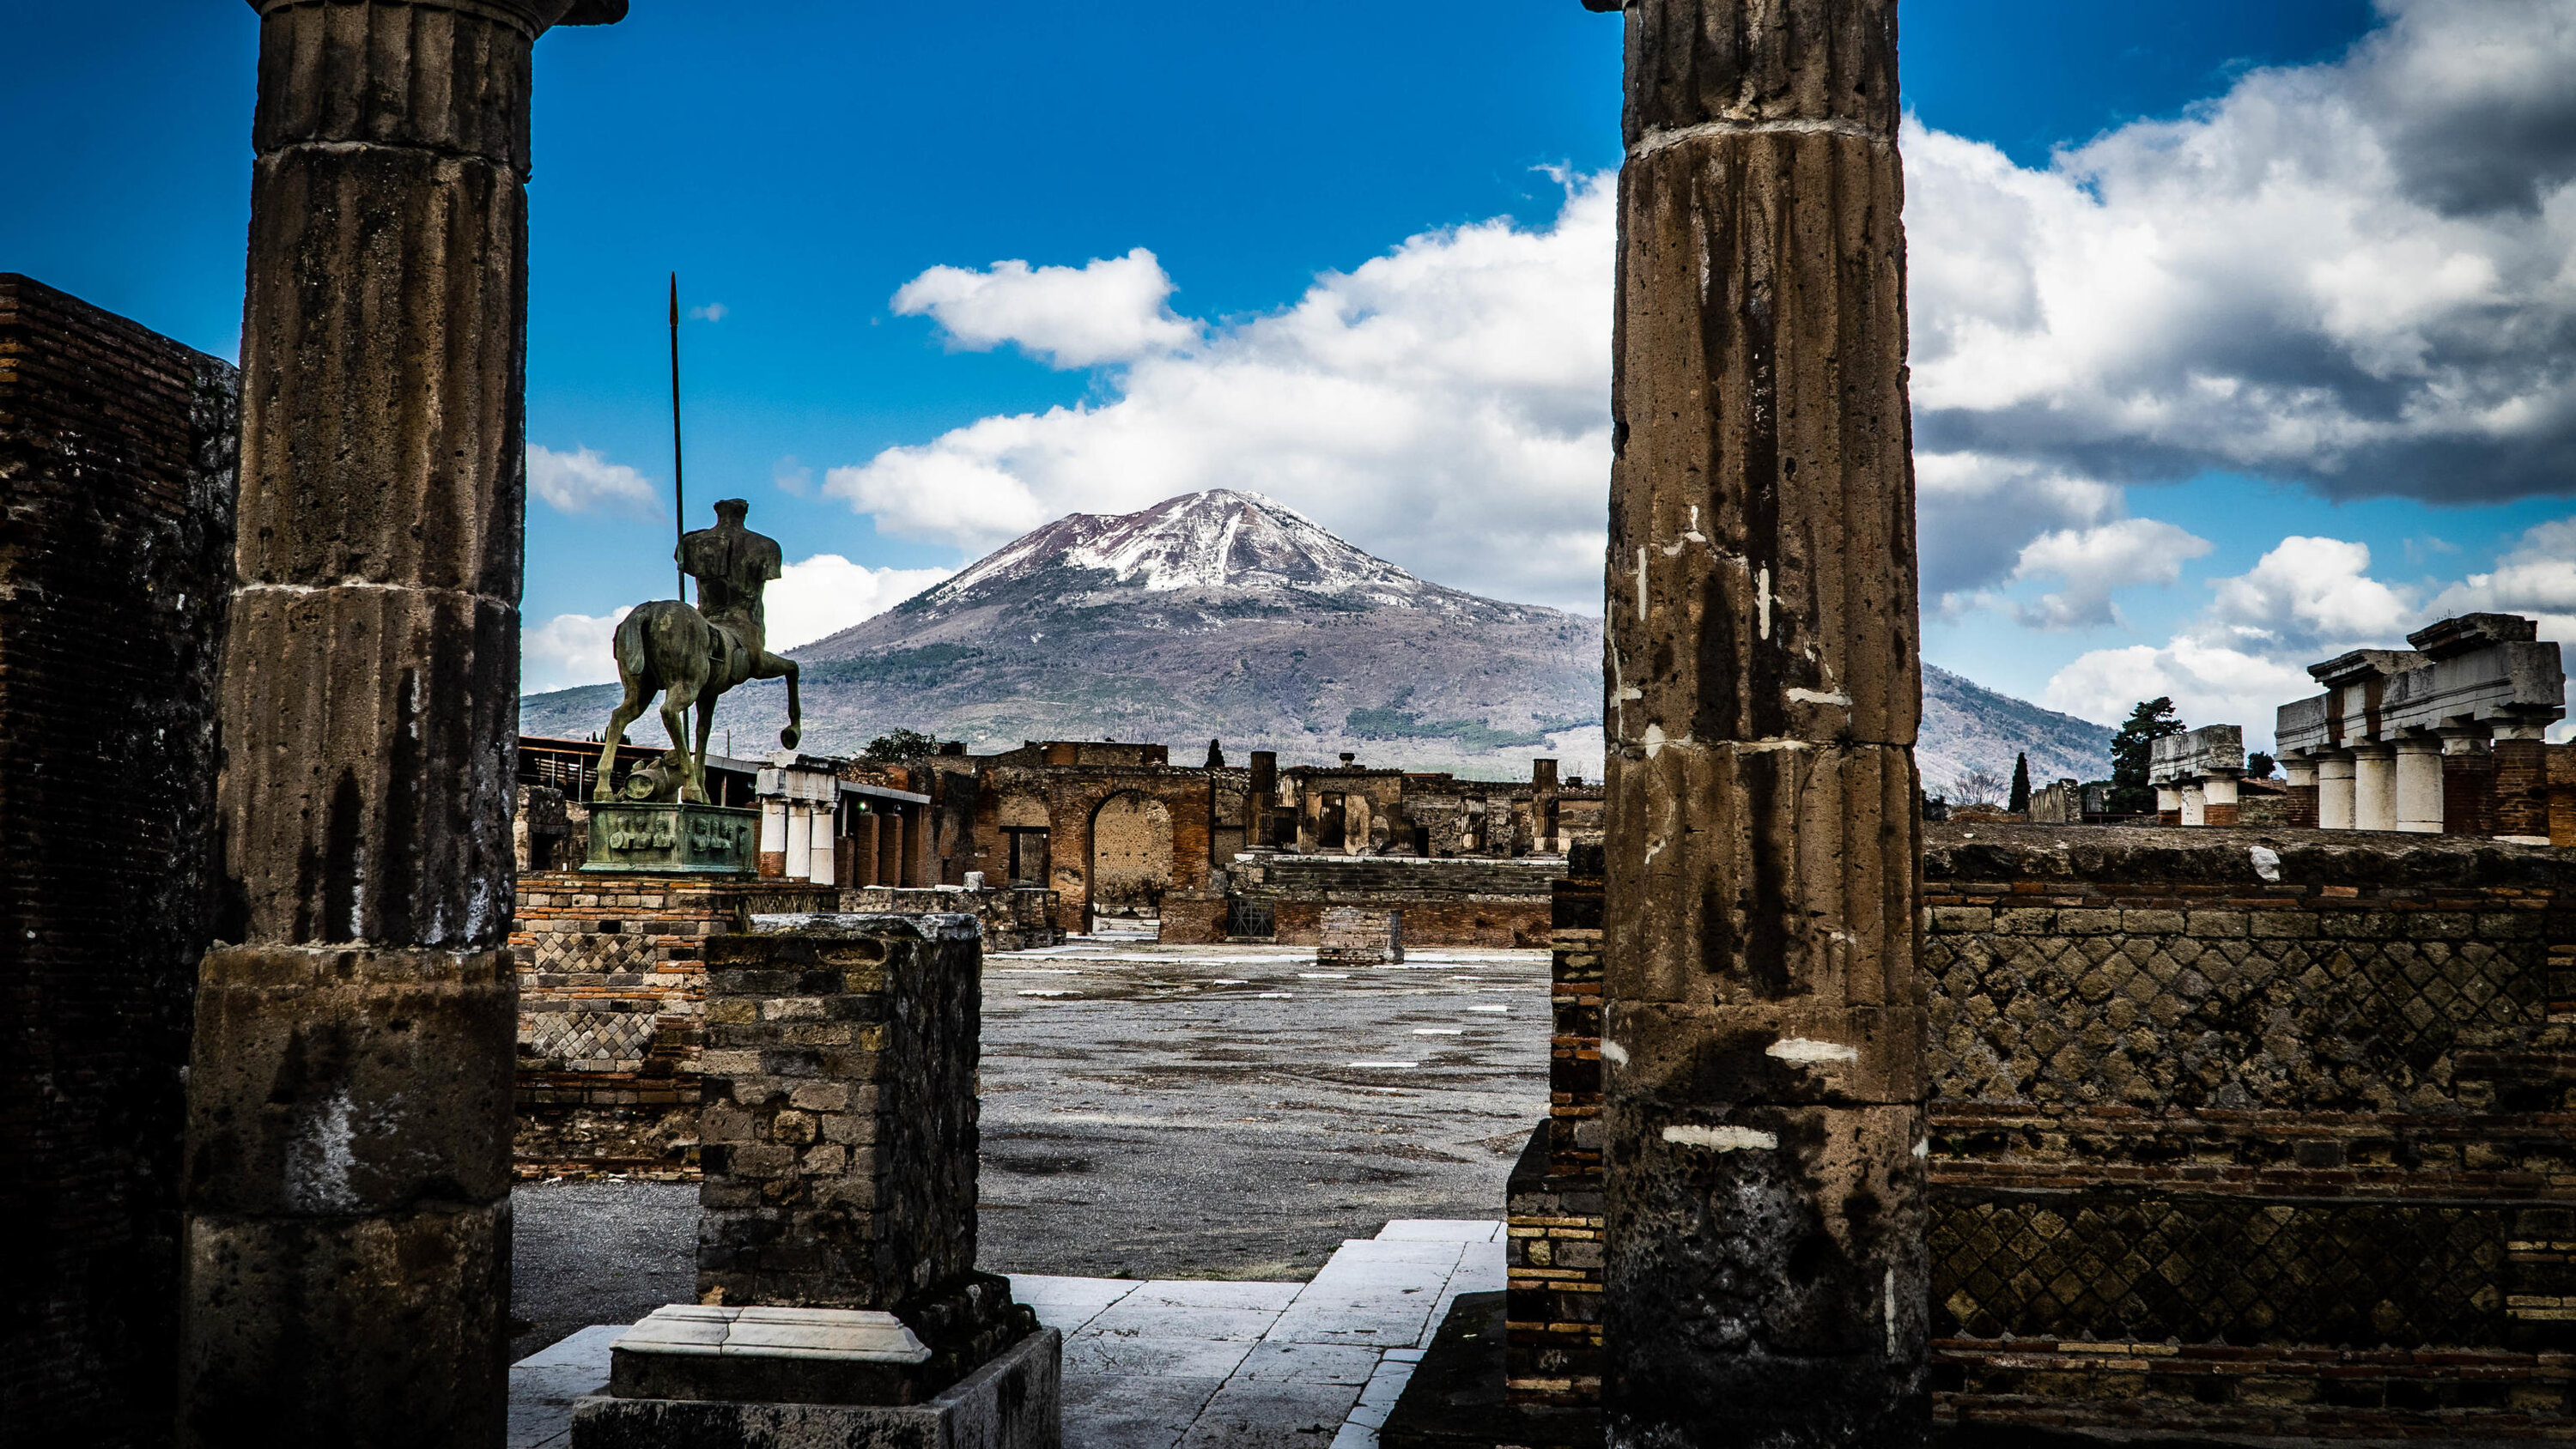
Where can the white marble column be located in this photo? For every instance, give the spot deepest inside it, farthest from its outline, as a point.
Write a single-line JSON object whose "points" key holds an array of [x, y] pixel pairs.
{"points": [[2168, 801], [800, 840], [819, 853], [2195, 804], [2374, 787], [2334, 791], [2419, 784]]}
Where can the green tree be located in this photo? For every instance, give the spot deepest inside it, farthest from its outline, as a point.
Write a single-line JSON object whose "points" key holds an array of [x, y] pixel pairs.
{"points": [[2021, 784], [2259, 766], [887, 749], [2132, 749]]}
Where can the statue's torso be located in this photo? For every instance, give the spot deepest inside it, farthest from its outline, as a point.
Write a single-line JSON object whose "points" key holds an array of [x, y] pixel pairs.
{"points": [[732, 565]]}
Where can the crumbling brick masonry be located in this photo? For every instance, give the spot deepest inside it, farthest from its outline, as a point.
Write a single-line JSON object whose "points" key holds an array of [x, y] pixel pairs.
{"points": [[2252, 1132]]}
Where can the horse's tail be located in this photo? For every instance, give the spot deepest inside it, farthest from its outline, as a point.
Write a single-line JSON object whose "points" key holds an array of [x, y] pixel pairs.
{"points": [[634, 659]]}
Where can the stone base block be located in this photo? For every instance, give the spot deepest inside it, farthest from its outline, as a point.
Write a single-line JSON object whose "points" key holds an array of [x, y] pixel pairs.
{"points": [[1014, 1402], [675, 839]]}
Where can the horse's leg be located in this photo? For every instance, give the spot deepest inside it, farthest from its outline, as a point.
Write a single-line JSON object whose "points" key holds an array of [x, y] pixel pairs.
{"points": [[675, 718], [627, 710], [770, 666], [706, 727]]}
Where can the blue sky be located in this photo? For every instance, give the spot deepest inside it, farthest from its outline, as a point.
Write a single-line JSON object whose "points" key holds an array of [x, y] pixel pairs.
{"points": [[1339, 201]]}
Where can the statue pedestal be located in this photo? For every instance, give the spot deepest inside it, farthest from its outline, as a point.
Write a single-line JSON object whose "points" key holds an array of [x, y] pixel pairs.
{"points": [[673, 839]]}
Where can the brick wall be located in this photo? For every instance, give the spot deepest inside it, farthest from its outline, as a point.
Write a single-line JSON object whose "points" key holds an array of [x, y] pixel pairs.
{"points": [[1012, 920], [2229, 1142], [841, 1128], [116, 517], [612, 975], [1497, 903], [1552, 1257]]}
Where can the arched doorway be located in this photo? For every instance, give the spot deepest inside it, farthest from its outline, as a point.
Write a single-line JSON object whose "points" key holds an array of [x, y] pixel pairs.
{"points": [[1131, 857]]}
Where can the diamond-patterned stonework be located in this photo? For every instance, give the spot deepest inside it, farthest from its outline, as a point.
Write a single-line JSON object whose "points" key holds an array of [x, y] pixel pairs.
{"points": [[585, 1037], [2150, 1267], [571, 953], [2095, 1007]]}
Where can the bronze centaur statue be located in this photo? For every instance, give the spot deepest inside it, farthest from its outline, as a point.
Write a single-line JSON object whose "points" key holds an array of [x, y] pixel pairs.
{"points": [[690, 656]]}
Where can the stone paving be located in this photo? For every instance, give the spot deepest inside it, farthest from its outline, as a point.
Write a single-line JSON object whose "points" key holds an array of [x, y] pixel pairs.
{"points": [[1185, 1363]]}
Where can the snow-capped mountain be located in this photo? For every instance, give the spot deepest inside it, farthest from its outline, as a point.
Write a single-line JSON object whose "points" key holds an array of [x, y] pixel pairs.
{"points": [[1219, 543], [1228, 615]]}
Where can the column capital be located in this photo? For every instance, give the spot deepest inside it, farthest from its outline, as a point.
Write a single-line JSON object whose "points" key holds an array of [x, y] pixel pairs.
{"points": [[2467, 739], [529, 17]]}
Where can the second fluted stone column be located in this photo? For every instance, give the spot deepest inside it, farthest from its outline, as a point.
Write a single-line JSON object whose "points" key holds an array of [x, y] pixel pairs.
{"points": [[349, 1095], [1764, 1032]]}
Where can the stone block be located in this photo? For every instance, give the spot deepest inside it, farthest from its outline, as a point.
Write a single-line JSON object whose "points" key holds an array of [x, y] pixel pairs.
{"points": [[1012, 1402], [356, 1322], [337, 1080]]}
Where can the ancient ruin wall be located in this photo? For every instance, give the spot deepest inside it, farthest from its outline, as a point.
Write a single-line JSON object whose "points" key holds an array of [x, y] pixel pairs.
{"points": [[116, 461], [1491, 903], [612, 981], [2252, 1131]]}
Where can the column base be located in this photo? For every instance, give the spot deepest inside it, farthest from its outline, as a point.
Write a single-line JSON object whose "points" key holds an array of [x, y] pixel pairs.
{"points": [[1013, 1402], [377, 1332]]}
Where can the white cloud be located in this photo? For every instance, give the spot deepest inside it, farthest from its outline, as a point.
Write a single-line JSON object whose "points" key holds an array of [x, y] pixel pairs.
{"points": [[1975, 512], [569, 650], [1113, 310], [712, 312], [2209, 684], [813, 599], [2353, 274], [581, 481], [2313, 593], [2095, 563], [827, 593], [1446, 405]]}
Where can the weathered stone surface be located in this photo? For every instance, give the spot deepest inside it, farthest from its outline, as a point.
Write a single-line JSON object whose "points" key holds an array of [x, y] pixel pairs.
{"points": [[1765, 1271], [349, 1116], [327, 1083], [1696, 61], [116, 464], [2282, 1154], [391, 1330], [1723, 837], [375, 805], [839, 1132], [1779, 1252], [1011, 1403], [1761, 522], [889, 1010]]}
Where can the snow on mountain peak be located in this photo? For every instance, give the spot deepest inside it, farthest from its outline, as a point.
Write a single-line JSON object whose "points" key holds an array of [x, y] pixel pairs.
{"points": [[1220, 541]]}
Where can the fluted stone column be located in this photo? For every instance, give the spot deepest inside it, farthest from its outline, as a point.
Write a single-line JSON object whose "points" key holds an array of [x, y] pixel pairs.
{"points": [[348, 1242], [1764, 1031]]}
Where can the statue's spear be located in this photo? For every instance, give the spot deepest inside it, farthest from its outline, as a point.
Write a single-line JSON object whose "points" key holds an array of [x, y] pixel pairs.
{"points": [[679, 489]]}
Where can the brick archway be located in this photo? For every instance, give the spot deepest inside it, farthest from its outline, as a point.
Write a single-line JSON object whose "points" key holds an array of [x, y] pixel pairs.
{"points": [[1132, 856]]}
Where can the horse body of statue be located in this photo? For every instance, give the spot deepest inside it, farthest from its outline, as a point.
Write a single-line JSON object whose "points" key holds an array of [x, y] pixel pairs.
{"points": [[692, 655]]}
